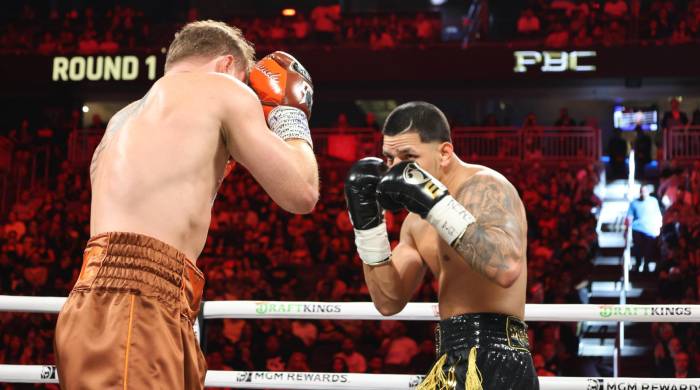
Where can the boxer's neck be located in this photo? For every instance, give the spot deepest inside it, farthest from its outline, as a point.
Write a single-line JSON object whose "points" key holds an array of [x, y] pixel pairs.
{"points": [[451, 173], [189, 67], [194, 65]]}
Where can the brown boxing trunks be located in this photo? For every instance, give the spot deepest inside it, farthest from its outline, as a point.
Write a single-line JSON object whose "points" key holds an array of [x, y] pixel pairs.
{"points": [[128, 323]]}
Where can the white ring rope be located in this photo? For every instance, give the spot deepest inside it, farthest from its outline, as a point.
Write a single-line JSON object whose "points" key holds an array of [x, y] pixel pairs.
{"points": [[318, 380], [413, 311]]}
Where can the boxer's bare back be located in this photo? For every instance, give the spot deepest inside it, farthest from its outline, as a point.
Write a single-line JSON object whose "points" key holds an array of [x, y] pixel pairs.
{"points": [[162, 159]]}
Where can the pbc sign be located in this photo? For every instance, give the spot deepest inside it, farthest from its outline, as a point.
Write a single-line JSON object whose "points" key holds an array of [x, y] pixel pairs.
{"points": [[554, 61]]}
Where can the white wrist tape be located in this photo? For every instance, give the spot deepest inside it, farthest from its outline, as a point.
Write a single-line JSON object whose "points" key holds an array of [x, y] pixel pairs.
{"points": [[290, 123], [373, 245], [450, 219]]}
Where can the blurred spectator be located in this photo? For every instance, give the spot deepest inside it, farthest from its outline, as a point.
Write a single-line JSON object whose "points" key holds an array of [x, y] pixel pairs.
{"points": [[551, 361], [48, 44], [644, 217], [87, 44], [325, 19], [381, 39], [567, 6], [300, 27], [564, 118], [528, 23], [582, 39], [354, 360], [681, 364], [541, 366], [615, 34], [277, 31], [400, 349], [425, 358], [616, 9], [674, 117], [651, 32], [642, 151], [274, 357], [680, 35], [339, 365], [108, 44], [558, 37], [298, 363], [305, 331], [664, 24], [14, 225], [424, 28], [617, 150]]}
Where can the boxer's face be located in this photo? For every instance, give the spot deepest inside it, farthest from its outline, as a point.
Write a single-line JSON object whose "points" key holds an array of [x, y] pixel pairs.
{"points": [[431, 156]]}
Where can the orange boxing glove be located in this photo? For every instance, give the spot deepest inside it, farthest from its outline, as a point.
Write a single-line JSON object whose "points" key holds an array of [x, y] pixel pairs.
{"points": [[286, 93], [280, 80]]}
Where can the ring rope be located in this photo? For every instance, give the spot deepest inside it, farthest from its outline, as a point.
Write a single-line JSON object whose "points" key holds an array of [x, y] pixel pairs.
{"points": [[417, 311], [319, 380]]}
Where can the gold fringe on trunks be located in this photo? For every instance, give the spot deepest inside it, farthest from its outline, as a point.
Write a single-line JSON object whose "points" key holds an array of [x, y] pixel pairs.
{"points": [[473, 381], [437, 380]]}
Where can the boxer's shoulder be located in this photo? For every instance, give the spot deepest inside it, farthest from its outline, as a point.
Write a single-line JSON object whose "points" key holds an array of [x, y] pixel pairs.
{"points": [[204, 83], [478, 175]]}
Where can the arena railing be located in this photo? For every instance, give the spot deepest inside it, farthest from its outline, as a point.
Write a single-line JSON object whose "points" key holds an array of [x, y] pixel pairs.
{"points": [[481, 144], [682, 144]]}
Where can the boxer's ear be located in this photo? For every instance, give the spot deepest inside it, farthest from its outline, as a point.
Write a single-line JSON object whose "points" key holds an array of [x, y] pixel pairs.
{"points": [[446, 152], [225, 64]]}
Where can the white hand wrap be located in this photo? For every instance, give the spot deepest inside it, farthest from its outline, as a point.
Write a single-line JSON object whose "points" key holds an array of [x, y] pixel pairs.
{"points": [[290, 123], [373, 245], [450, 219]]}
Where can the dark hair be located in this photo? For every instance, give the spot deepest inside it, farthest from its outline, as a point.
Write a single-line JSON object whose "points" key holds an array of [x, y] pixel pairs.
{"points": [[418, 117]]}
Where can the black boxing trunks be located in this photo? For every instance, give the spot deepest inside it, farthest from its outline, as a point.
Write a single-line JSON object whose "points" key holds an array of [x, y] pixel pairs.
{"points": [[482, 351]]}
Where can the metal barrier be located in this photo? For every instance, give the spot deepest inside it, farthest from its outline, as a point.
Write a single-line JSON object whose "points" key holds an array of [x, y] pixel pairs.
{"points": [[488, 143], [682, 144], [561, 143], [555, 144], [476, 144]]}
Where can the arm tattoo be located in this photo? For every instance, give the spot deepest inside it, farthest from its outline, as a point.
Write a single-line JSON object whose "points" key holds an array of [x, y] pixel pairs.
{"points": [[496, 240]]}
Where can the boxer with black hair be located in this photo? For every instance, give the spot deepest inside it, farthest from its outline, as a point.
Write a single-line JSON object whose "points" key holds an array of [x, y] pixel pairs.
{"points": [[467, 226]]}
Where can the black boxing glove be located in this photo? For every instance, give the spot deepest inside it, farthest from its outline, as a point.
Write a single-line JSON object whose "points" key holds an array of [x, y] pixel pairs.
{"points": [[419, 192], [367, 217]]}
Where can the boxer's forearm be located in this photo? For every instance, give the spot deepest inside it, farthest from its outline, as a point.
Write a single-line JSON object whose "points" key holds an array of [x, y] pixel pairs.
{"points": [[493, 245], [306, 162], [385, 288], [392, 284]]}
